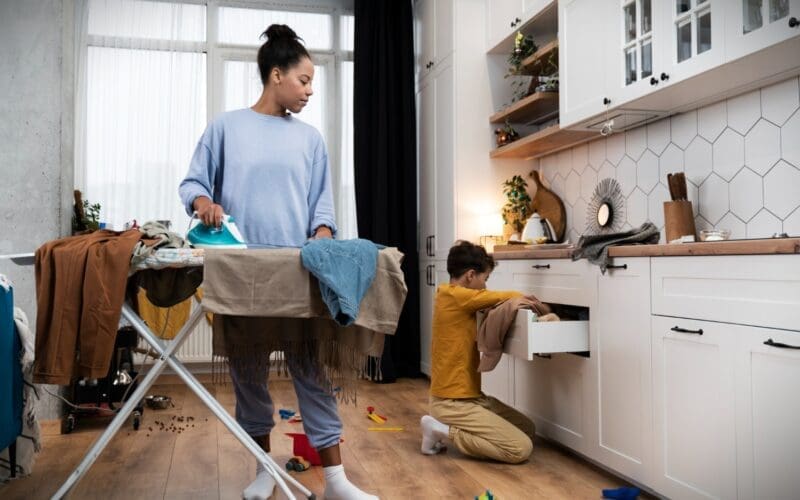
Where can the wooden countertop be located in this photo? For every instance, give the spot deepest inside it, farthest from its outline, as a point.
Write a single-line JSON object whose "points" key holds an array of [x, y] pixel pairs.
{"points": [[729, 247]]}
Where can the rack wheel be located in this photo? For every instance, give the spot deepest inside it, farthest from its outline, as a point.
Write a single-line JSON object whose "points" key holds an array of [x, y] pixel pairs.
{"points": [[136, 420], [68, 424]]}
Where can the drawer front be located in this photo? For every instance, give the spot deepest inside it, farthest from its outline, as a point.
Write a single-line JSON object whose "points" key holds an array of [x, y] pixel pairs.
{"points": [[527, 337], [758, 290], [559, 281]]}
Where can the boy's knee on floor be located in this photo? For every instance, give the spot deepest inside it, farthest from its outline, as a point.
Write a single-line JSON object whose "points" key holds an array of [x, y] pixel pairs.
{"points": [[521, 451]]}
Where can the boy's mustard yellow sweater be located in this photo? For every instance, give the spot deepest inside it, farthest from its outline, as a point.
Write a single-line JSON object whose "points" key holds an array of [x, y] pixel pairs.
{"points": [[454, 352]]}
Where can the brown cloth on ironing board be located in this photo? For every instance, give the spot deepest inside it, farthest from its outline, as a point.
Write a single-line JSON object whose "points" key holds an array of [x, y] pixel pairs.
{"points": [[264, 300], [80, 288], [493, 327]]}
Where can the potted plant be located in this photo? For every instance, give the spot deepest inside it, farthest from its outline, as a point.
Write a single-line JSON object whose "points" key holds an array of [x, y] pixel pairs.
{"points": [[524, 46], [85, 216], [548, 80], [518, 205]]}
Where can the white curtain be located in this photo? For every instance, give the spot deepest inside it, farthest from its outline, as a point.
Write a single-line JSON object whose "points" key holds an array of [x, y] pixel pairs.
{"points": [[142, 68]]}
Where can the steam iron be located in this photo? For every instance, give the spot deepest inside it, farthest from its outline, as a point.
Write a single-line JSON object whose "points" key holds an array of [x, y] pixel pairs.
{"points": [[225, 236]]}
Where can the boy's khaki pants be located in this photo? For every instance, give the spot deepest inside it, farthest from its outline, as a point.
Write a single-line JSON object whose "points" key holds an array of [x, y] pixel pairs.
{"points": [[484, 427]]}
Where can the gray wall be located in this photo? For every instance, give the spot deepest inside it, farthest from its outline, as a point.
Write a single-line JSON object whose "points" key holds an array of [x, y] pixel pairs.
{"points": [[36, 123]]}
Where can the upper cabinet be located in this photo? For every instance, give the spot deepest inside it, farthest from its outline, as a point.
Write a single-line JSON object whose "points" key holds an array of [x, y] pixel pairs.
{"points": [[505, 17], [663, 57], [434, 41], [755, 24]]}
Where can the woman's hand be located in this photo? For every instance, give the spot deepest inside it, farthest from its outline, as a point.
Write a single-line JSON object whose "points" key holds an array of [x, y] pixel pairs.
{"points": [[208, 212], [322, 232]]}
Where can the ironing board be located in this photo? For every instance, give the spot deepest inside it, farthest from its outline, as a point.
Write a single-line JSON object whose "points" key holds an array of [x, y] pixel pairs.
{"points": [[170, 258]]}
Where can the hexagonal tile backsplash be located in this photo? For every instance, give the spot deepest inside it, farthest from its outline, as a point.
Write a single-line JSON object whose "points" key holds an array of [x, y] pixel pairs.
{"points": [[741, 159]]}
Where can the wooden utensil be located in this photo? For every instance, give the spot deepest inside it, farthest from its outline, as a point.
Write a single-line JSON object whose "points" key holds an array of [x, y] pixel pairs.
{"points": [[680, 181], [671, 186], [550, 207]]}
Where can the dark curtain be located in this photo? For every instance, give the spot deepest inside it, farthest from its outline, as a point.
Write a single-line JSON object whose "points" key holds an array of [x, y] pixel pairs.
{"points": [[385, 156]]}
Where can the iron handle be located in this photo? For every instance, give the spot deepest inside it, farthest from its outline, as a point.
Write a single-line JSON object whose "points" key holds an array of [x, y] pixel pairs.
{"points": [[606, 101], [793, 22], [678, 329], [619, 266], [541, 266], [653, 81], [664, 76], [772, 343], [433, 245]]}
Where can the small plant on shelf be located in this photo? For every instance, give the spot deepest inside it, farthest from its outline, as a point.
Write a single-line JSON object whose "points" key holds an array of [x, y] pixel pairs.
{"points": [[518, 203], [521, 87], [548, 80]]}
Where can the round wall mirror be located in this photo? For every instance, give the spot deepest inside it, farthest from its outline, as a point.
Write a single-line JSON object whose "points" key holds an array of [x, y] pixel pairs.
{"points": [[603, 215]]}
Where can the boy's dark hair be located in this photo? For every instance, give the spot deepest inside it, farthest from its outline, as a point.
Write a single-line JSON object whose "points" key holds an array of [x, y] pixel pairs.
{"points": [[465, 255], [282, 50]]}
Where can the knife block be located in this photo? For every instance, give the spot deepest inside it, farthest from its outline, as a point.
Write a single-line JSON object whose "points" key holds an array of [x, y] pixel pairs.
{"points": [[678, 219]]}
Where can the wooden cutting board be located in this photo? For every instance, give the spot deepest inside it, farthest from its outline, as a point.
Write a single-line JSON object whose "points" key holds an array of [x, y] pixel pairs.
{"points": [[549, 206]]}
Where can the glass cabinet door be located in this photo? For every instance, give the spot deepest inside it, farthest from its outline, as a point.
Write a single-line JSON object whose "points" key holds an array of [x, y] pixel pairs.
{"points": [[753, 25], [637, 36], [692, 27]]}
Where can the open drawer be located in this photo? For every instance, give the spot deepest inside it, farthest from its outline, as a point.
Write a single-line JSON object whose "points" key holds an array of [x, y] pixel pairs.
{"points": [[527, 337]]}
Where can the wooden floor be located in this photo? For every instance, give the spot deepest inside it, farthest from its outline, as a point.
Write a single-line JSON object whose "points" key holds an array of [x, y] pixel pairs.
{"points": [[205, 461]]}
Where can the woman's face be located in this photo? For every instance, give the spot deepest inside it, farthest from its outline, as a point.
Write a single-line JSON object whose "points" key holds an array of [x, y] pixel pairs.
{"points": [[293, 86]]}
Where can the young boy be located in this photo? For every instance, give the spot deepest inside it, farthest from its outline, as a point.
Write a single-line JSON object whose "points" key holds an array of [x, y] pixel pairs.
{"points": [[480, 426]]}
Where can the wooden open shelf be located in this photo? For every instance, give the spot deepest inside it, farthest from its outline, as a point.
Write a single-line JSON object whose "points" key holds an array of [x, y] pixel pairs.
{"points": [[546, 141], [528, 109], [535, 63]]}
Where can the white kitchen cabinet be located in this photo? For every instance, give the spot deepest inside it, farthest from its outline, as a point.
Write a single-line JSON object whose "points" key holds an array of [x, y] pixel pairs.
{"points": [[433, 28], [758, 291], [752, 25], [622, 350], [551, 390], [585, 36], [427, 291], [694, 408], [505, 17], [432, 273], [528, 337], [556, 281], [436, 157], [767, 408]]}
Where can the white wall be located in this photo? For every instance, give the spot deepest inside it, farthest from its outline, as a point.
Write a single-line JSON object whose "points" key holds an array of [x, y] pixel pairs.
{"points": [[36, 122], [741, 158]]}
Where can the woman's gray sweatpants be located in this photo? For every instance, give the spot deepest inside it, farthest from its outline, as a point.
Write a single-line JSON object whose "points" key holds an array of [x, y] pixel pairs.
{"points": [[254, 409]]}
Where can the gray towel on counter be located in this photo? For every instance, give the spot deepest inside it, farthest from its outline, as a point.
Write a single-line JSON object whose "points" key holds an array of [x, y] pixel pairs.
{"points": [[595, 247]]}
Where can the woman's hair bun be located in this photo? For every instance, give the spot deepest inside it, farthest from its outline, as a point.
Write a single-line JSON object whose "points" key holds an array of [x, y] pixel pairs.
{"points": [[279, 31]]}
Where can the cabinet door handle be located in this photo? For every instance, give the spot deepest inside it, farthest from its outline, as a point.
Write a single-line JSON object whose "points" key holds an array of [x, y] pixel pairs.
{"points": [[619, 266], [433, 245], [793, 22], [678, 329], [511, 24], [664, 76], [541, 266], [606, 101], [772, 343], [428, 246], [653, 81]]}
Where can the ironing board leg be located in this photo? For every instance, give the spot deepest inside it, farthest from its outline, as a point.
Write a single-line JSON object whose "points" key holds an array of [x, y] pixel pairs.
{"points": [[101, 442], [274, 469]]}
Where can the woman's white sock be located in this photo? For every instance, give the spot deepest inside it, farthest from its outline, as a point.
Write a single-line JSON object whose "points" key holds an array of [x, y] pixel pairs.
{"points": [[338, 487], [261, 488], [434, 434]]}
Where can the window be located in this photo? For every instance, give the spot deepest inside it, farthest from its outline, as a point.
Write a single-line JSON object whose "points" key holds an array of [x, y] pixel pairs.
{"points": [[151, 74]]}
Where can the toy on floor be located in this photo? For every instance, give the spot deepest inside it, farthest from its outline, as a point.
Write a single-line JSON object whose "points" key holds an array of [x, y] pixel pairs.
{"points": [[378, 419], [487, 495], [301, 447], [624, 493], [298, 464], [286, 413], [296, 419]]}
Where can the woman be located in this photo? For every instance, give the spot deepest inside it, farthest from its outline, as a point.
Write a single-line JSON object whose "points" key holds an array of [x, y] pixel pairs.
{"points": [[277, 187]]}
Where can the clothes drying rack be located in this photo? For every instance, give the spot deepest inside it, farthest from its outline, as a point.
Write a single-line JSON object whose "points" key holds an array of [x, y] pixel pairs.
{"points": [[166, 357]]}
